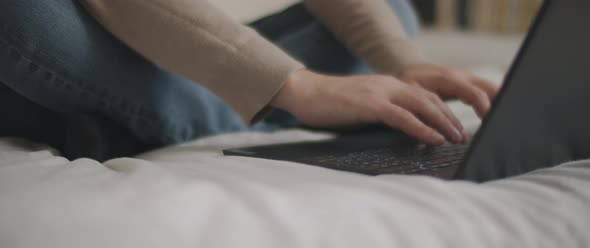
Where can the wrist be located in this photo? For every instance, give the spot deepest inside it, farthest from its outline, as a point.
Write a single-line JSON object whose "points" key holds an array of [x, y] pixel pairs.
{"points": [[295, 89]]}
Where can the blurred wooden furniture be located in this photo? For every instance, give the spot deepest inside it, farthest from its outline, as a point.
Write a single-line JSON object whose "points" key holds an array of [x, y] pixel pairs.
{"points": [[495, 16], [446, 14]]}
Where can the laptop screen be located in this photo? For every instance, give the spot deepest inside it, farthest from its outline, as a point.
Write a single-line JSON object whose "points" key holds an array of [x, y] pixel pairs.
{"points": [[542, 116]]}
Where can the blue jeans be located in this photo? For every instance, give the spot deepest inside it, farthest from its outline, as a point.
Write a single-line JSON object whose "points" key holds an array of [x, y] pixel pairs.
{"points": [[55, 55]]}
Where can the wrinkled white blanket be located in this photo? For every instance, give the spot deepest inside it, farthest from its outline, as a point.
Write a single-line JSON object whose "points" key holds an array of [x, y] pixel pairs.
{"points": [[192, 196]]}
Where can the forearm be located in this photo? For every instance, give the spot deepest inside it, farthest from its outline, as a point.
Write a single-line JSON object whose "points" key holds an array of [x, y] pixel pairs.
{"points": [[195, 39], [370, 29]]}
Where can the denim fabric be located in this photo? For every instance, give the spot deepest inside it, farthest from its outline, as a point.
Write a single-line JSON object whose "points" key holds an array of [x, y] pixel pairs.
{"points": [[55, 55]]}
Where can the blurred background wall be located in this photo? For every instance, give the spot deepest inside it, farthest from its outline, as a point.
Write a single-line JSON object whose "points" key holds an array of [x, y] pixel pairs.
{"points": [[490, 16]]}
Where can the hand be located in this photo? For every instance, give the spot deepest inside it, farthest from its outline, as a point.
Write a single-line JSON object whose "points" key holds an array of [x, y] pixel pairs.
{"points": [[334, 102], [453, 83]]}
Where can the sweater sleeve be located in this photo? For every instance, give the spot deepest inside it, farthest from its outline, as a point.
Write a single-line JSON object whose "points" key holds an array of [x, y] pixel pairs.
{"points": [[197, 40], [370, 29]]}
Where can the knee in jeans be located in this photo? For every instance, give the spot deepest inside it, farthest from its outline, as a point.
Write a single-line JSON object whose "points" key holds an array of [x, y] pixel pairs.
{"points": [[31, 23]]}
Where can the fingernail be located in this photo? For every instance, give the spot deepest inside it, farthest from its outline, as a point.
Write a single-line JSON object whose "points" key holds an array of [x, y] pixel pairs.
{"points": [[439, 139], [487, 104]]}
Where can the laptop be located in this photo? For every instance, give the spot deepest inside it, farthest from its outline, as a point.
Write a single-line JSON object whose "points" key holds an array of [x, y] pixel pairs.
{"points": [[540, 119]]}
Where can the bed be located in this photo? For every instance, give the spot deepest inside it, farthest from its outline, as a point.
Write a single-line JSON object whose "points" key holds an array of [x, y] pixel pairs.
{"points": [[191, 196]]}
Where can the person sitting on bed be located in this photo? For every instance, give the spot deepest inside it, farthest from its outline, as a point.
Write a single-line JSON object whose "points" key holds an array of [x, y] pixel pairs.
{"points": [[168, 71]]}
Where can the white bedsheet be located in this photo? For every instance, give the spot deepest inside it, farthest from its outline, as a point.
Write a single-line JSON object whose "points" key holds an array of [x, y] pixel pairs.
{"points": [[192, 196]]}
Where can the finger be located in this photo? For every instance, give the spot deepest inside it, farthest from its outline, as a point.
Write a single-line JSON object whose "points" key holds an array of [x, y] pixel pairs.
{"points": [[488, 87], [466, 92], [466, 137], [448, 113], [419, 103], [478, 99], [397, 117]]}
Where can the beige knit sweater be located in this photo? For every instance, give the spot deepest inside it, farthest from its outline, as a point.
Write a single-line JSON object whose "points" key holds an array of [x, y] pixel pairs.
{"points": [[198, 40], [247, 11]]}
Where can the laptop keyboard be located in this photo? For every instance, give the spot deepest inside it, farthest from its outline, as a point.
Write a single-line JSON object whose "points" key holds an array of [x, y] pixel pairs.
{"points": [[388, 160]]}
